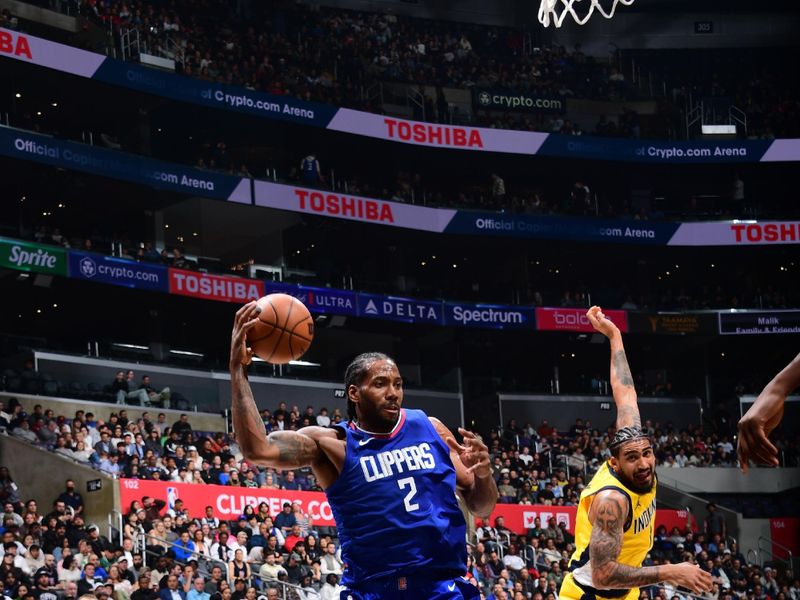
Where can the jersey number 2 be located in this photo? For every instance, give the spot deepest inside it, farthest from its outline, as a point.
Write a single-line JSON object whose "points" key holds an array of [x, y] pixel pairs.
{"points": [[408, 482]]}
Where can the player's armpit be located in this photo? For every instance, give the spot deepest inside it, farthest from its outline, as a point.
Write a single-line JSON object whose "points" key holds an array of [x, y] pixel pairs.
{"points": [[608, 514]]}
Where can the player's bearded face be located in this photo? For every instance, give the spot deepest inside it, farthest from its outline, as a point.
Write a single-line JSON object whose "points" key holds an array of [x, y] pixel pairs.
{"points": [[381, 395], [636, 465]]}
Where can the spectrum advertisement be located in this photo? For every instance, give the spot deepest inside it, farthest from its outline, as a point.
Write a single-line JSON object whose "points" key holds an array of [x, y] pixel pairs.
{"points": [[45, 53], [117, 271]]}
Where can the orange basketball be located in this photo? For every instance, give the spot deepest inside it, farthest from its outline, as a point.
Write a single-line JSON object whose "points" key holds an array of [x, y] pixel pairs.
{"points": [[284, 331]]}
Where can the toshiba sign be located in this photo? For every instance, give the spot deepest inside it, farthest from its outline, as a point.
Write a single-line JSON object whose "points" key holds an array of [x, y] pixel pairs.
{"points": [[14, 44], [214, 287], [574, 319]]}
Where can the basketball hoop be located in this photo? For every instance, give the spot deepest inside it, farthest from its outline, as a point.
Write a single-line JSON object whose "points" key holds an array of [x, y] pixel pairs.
{"points": [[557, 10]]}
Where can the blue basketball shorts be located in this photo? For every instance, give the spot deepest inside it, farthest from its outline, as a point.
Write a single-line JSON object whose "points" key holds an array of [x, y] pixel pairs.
{"points": [[413, 588]]}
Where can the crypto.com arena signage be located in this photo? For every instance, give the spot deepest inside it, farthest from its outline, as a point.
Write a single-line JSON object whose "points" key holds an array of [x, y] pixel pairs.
{"points": [[26, 145], [67, 59]]}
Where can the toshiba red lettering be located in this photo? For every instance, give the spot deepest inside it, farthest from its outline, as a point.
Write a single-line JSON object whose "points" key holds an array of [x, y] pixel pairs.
{"points": [[574, 319], [214, 287], [433, 135], [14, 44], [769, 232], [352, 207]]}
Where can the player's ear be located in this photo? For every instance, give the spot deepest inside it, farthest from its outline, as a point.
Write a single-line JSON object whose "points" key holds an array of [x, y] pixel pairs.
{"points": [[353, 393], [613, 462]]}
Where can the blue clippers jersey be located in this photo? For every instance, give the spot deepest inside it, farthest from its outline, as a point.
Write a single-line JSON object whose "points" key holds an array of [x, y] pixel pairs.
{"points": [[395, 503]]}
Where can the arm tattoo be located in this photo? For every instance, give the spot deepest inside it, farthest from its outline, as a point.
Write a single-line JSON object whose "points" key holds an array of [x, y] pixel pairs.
{"points": [[294, 449], [605, 546], [622, 369], [628, 415]]}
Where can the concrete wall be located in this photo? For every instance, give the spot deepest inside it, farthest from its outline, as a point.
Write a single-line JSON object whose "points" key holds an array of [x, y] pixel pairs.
{"points": [[41, 475], [731, 481], [40, 15], [210, 391], [561, 411], [102, 410], [750, 530]]}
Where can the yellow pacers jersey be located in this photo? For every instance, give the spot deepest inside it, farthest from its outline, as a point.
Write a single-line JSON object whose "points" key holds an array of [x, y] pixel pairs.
{"points": [[636, 540]]}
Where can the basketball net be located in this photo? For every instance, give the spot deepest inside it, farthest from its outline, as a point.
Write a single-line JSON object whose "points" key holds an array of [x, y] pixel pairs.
{"points": [[557, 11]]}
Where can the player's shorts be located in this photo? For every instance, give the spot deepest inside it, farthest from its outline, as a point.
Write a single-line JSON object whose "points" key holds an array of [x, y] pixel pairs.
{"points": [[572, 590], [413, 588]]}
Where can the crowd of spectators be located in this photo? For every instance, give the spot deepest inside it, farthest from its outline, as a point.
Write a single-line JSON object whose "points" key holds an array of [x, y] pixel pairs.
{"points": [[332, 55], [247, 557]]}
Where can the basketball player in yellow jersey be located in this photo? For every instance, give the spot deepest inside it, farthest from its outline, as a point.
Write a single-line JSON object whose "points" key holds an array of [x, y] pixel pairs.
{"points": [[616, 513]]}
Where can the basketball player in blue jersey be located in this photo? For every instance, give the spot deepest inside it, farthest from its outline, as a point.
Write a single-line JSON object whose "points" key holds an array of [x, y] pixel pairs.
{"points": [[616, 512], [391, 476]]}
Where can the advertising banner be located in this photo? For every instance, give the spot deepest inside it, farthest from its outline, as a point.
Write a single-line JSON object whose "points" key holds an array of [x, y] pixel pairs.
{"points": [[117, 271], [37, 258], [327, 203], [508, 100], [407, 310], [759, 322], [25, 145], [574, 319], [66, 59], [785, 534], [214, 287], [737, 234], [488, 316], [228, 503], [562, 228], [672, 323], [520, 517], [318, 300]]}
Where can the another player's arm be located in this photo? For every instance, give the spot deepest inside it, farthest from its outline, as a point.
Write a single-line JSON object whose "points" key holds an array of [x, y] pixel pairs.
{"points": [[764, 416], [608, 514], [473, 469], [281, 449], [621, 380]]}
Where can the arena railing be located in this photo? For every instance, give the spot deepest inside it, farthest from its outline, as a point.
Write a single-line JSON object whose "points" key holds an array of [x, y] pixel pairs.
{"points": [[206, 563]]}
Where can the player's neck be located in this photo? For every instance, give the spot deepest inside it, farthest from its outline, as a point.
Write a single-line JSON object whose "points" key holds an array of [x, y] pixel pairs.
{"points": [[377, 428]]}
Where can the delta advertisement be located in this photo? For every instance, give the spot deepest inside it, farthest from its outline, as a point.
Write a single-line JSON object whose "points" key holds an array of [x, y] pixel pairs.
{"points": [[575, 319], [66, 59], [759, 322], [35, 258], [512, 101], [117, 271], [229, 502]]}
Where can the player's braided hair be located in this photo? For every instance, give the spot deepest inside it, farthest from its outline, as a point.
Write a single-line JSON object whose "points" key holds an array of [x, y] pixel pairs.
{"points": [[623, 436], [355, 373]]}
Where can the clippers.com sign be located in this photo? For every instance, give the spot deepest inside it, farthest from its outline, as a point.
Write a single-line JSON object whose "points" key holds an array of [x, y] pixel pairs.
{"points": [[228, 502], [574, 319]]}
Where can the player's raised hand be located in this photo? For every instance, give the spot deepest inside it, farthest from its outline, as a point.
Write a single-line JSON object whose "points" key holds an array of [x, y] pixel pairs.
{"points": [[601, 323], [473, 453], [246, 317]]}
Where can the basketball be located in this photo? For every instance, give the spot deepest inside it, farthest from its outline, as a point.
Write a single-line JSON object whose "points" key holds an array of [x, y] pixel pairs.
{"points": [[284, 331]]}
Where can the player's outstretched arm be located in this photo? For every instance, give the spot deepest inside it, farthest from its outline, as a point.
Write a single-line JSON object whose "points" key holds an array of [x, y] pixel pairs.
{"points": [[621, 379], [764, 416], [282, 449], [608, 514]]}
